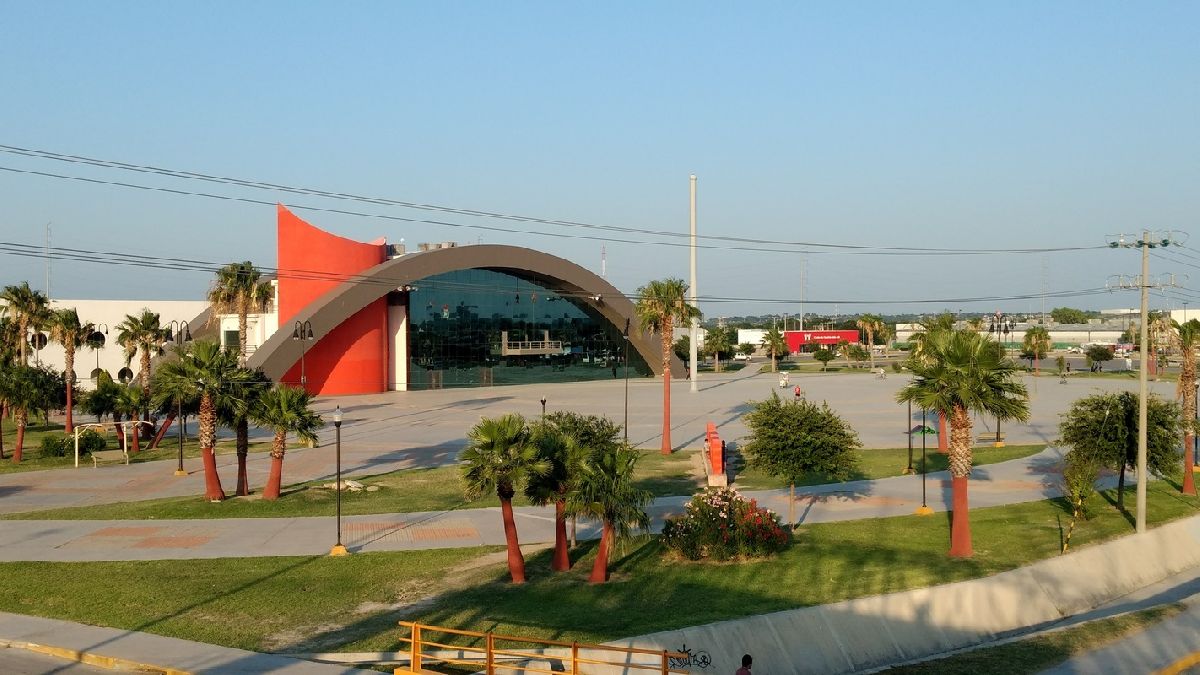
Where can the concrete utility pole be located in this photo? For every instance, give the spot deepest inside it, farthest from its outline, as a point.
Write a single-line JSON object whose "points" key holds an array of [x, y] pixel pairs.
{"points": [[695, 339], [1143, 282]]}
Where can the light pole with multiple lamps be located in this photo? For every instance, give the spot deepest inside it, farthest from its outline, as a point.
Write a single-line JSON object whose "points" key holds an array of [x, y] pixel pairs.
{"points": [[96, 341], [182, 335], [304, 333], [1000, 325], [338, 549]]}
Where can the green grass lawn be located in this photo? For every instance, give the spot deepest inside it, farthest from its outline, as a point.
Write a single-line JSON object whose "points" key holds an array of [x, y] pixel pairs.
{"points": [[405, 491], [316, 603], [32, 461], [886, 462], [1035, 654]]}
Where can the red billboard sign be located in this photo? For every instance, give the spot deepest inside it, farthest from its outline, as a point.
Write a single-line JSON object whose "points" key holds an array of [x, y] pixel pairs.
{"points": [[799, 338]]}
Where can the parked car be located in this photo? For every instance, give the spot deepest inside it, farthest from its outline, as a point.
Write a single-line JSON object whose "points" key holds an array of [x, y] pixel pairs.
{"points": [[741, 357]]}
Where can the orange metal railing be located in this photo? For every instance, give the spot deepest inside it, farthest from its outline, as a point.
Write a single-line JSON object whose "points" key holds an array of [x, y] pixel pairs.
{"points": [[519, 654]]}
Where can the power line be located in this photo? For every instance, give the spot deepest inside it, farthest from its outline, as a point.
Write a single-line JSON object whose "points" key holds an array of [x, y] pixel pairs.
{"points": [[260, 185], [188, 265]]}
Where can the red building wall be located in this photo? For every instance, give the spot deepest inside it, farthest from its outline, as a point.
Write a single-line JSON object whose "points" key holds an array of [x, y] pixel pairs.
{"points": [[798, 338], [352, 358]]}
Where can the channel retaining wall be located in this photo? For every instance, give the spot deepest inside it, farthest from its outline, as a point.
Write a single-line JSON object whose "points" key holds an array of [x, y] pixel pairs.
{"points": [[880, 630]]}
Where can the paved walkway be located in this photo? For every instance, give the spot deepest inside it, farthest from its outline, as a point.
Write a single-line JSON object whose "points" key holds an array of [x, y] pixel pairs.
{"points": [[397, 430], [1022, 480]]}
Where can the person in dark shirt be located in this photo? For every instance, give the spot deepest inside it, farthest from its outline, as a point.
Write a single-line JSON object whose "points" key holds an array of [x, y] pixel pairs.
{"points": [[745, 669]]}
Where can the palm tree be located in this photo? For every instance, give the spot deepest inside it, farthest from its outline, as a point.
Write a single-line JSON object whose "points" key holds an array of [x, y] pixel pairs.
{"points": [[562, 454], [210, 373], [1037, 342], [870, 324], [29, 389], [716, 341], [130, 402], [963, 373], [1186, 337], [28, 308], [67, 330], [776, 344], [236, 414], [931, 326], [498, 456], [661, 305], [238, 289], [606, 491], [284, 410], [142, 335]]}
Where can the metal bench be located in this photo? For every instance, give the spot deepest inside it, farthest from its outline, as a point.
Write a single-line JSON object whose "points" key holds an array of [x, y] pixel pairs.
{"points": [[109, 456]]}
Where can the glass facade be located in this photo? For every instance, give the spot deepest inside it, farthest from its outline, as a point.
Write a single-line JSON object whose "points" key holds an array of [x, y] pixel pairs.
{"points": [[475, 327]]}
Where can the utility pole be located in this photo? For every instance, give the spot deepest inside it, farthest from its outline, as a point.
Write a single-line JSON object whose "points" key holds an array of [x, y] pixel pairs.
{"points": [[1143, 282], [693, 353], [47, 253]]}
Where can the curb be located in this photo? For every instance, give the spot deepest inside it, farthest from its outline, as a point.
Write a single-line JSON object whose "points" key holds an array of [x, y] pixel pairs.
{"points": [[88, 658]]}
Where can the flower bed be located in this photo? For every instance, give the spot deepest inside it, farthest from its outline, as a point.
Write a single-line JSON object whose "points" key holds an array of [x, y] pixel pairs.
{"points": [[721, 524]]}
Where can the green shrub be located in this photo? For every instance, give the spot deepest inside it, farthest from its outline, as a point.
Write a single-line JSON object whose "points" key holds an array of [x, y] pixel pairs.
{"points": [[721, 524], [90, 441], [54, 445], [896, 367]]}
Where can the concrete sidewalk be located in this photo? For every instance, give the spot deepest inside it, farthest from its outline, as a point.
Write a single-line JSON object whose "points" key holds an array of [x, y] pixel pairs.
{"points": [[399, 430], [130, 650], [1022, 480]]}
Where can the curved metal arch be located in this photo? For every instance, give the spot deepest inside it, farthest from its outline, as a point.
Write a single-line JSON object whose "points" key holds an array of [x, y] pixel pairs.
{"points": [[280, 352]]}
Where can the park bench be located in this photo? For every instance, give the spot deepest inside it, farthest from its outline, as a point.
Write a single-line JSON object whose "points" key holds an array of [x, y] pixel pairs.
{"points": [[109, 456], [990, 436]]}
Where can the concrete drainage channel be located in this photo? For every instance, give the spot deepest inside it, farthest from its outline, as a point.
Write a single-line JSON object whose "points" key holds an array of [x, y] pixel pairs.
{"points": [[87, 658]]}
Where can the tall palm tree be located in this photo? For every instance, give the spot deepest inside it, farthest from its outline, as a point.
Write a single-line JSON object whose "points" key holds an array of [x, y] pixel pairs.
{"points": [[142, 335], [29, 309], [562, 454], [871, 325], [284, 410], [607, 492], [776, 344], [1037, 342], [238, 289], [661, 305], [1186, 337], [210, 373], [963, 373], [498, 456], [943, 322], [67, 330]]}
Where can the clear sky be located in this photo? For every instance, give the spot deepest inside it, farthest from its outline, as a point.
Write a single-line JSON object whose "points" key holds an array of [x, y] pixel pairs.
{"points": [[924, 124]]}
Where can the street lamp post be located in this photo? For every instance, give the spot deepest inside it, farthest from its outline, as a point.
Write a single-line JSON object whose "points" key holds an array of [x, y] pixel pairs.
{"points": [[908, 421], [1001, 326], [543, 407], [304, 333], [338, 549], [626, 336], [924, 509], [96, 341], [182, 335]]}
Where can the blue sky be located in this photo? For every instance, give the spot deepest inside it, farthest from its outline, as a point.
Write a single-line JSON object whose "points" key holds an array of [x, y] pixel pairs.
{"points": [[948, 125]]}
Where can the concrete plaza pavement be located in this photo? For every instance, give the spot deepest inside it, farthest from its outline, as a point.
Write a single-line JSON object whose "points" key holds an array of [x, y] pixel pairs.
{"points": [[398, 430]]}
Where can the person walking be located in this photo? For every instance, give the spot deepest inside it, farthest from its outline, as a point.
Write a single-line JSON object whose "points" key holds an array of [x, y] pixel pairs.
{"points": [[747, 660]]}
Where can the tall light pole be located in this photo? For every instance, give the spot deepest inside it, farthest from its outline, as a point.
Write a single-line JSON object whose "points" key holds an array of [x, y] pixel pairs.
{"points": [[304, 333], [693, 353], [338, 549], [183, 335], [96, 341]]}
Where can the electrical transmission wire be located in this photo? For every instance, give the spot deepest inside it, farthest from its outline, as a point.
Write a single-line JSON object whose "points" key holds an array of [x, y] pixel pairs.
{"points": [[757, 244]]}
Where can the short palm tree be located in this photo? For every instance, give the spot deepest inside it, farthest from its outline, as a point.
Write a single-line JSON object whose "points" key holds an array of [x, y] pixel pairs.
{"points": [[142, 335], [1037, 342], [963, 373], [238, 289], [130, 402], [562, 454], [67, 330], [607, 492], [661, 305], [29, 390], [210, 373], [29, 310], [498, 457], [871, 325], [776, 345], [236, 413], [1187, 337], [931, 326], [716, 342], [284, 410]]}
